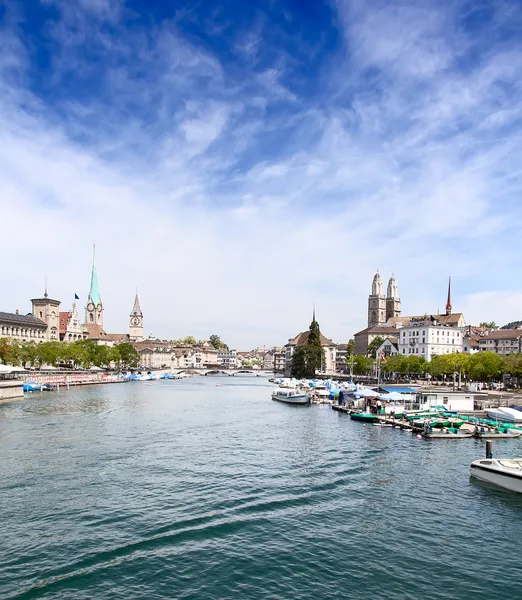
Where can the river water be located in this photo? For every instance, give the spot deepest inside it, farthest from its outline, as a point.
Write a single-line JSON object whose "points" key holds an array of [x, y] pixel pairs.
{"points": [[207, 489]]}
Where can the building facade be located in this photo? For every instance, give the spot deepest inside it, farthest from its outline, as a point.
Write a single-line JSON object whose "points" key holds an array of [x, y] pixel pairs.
{"points": [[502, 341], [329, 350], [24, 328], [428, 337]]}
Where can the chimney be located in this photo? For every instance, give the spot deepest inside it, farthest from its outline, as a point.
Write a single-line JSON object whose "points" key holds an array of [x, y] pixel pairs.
{"points": [[17, 312]]}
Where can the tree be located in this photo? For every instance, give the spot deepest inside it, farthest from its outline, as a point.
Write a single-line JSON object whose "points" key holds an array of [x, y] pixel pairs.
{"points": [[314, 349], [362, 364], [8, 352], [489, 325], [189, 341], [513, 365], [350, 348], [397, 363], [216, 342], [129, 356], [374, 345], [485, 366], [299, 366]]}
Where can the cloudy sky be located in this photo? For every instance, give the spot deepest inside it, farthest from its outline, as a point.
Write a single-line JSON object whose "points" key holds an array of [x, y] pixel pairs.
{"points": [[239, 161]]}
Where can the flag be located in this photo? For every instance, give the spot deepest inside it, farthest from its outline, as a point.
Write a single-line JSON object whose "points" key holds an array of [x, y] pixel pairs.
{"points": [[76, 297], [381, 357]]}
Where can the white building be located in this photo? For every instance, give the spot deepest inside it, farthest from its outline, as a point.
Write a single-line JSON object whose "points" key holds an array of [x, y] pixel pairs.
{"points": [[390, 346], [227, 358], [428, 337]]}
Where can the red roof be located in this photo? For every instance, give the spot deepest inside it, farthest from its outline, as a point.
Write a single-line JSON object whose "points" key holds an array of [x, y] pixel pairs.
{"points": [[65, 317]]}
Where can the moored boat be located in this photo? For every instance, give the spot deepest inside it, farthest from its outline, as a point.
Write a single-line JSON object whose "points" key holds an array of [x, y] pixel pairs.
{"points": [[505, 473], [450, 433], [497, 433], [364, 417], [290, 396]]}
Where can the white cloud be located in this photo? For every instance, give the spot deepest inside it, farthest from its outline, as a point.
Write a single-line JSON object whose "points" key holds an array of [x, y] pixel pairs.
{"points": [[234, 203]]}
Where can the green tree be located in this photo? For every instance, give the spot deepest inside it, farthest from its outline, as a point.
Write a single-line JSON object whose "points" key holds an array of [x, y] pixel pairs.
{"points": [[362, 364], [486, 366], [8, 352], [215, 342], [48, 353], [489, 325], [189, 341], [513, 366], [374, 346], [397, 363], [314, 349], [128, 354], [28, 354], [299, 365], [350, 348]]}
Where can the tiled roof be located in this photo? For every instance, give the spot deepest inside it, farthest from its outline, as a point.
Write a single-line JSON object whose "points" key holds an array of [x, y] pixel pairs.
{"points": [[472, 343], [26, 320], [96, 332], [64, 321], [384, 331], [503, 334], [302, 338]]}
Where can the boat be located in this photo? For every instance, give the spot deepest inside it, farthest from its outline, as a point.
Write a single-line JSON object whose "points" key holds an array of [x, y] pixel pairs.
{"points": [[450, 433], [484, 433], [365, 417], [505, 473], [504, 413], [290, 396]]}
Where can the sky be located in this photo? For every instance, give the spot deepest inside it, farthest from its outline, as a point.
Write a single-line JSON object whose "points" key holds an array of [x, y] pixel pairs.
{"points": [[239, 161]]}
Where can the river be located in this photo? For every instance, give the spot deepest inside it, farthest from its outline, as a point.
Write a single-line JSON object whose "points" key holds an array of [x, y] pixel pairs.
{"points": [[207, 489]]}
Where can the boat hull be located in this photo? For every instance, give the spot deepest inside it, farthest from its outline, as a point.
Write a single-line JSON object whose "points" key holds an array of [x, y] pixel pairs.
{"points": [[446, 436], [507, 481], [497, 436], [364, 417], [298, 399]]}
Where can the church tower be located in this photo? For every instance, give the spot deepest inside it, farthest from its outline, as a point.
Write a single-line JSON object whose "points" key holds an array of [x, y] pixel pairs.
{"points": [[377, 303], [393, 302], [94, 308], [136, 321], [48, 311]]}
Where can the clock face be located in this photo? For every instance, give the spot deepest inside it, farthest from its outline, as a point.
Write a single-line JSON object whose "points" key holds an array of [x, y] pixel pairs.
{"points": [[53, 314], [90, 306], [135, 321]]}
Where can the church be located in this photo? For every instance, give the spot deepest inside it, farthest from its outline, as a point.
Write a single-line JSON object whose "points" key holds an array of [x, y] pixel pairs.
{"points": [[47, 323]]}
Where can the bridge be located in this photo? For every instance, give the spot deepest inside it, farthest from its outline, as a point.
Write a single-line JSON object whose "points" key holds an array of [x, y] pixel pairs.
{"points": [[222, 371]]}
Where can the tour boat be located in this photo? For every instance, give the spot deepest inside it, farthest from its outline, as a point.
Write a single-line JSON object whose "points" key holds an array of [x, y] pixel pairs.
{"points": [[506, 473], [290, 396]]}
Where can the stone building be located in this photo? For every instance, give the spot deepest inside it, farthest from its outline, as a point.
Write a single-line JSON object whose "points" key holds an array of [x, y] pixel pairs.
{"points": [[48, 311], [381, 308], [136, 321], [329, 349], [70, 326], [24, 328]]}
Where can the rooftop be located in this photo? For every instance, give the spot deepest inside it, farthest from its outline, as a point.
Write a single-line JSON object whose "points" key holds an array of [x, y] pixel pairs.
{"points": [[27, 320], [302, 339]]}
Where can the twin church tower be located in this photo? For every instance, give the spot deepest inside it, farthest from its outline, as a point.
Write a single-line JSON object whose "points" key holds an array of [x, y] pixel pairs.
{"points": [[381, 308], [94, 310]]}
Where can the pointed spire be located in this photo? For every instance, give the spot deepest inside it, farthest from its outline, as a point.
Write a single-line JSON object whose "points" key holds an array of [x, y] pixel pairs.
{"points": [[94, 293], [46, 295], [448, 303], [313, 316], [136, 310]]}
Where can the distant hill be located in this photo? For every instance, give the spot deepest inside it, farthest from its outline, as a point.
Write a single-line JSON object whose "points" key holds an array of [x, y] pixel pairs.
{"points": [[512, 325]]}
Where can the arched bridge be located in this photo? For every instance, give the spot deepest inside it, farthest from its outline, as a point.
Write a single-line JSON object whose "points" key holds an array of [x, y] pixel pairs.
{"points": [[221, 371]]}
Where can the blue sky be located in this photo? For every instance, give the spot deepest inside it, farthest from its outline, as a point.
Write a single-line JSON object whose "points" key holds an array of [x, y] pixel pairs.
{"points": [[239, 161]]}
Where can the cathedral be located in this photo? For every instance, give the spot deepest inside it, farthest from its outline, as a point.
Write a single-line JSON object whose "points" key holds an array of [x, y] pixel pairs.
{"points": [[382, 308]]}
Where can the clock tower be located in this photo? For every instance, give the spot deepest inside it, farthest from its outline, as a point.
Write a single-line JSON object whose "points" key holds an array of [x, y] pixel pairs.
{"points": [[136, 322], [94, 308]]}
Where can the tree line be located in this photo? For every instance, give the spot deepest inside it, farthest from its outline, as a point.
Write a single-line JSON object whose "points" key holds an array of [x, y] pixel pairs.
{"points": [[482, 366], [81, 354]]}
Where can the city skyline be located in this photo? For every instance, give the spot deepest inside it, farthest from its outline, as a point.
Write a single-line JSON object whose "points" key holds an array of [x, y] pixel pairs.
{"points": [[239, 166]]}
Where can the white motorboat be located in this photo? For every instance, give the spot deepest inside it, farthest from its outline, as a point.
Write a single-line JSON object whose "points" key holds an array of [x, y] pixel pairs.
{"points": [[291, 396], [505, 473], [505, 414]]}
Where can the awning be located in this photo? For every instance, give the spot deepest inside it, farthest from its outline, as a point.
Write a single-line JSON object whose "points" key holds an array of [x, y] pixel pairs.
{"points": [[399, 390]]}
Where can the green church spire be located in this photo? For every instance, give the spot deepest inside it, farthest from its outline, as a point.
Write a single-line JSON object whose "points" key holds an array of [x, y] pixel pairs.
{"points": [[94, 293]]}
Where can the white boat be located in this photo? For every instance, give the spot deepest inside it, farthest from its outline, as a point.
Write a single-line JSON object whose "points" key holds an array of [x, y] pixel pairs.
{"points": [[506, 473], [505, 414], [291, 396]]}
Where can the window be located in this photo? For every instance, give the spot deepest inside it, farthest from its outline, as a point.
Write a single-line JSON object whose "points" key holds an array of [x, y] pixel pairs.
{"points": [[41, 314]]}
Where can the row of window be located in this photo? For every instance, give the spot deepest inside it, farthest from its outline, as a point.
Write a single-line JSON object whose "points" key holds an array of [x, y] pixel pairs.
{"points": [[413, 333], [23, 332]]}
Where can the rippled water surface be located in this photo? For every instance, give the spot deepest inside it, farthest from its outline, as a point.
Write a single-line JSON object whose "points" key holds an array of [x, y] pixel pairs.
{"points": [[190, 489]]}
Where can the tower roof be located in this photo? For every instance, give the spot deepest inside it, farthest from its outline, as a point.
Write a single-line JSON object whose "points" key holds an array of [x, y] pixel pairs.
{"points": [[94, 292], [448, 303], [136, 310], [377, 276]]}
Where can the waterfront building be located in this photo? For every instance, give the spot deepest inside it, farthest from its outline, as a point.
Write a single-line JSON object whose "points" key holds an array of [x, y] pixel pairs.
{"points": [[470, 345], [427, 337], [136, 321], [48, 311], [227, 358], [329, 350], [24, 328], [502, 341], [340, 358], [280, 361], [390, 346], [71, 328], [365, 337]]}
